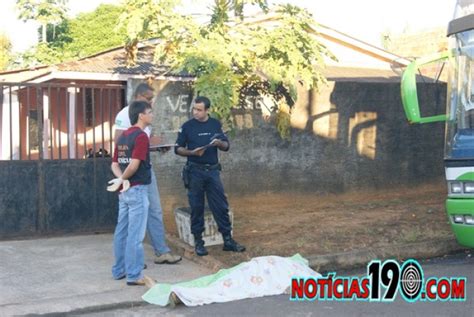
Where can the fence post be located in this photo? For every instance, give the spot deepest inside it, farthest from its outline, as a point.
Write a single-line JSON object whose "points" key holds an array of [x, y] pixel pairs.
{"points": [[42, 216]]}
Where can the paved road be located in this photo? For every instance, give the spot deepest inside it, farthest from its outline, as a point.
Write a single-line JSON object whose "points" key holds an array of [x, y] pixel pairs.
{"points": [[461, 265]]}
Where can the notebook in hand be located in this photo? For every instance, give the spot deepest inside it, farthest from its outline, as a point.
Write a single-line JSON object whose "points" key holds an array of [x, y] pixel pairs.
{"points": [[159, 146]]}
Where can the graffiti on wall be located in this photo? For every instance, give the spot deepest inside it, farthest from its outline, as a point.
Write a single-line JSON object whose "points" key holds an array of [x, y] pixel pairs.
{"points": [[179, 103], [180, 106]]}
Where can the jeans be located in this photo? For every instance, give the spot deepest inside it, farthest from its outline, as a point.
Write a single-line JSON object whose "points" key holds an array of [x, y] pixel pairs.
{"points": [[207, 183], [155, 227], [130, 232]]}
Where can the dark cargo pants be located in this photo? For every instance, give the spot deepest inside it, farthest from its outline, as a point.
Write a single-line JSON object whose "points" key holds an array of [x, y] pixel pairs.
{"points": [[207, 182]]}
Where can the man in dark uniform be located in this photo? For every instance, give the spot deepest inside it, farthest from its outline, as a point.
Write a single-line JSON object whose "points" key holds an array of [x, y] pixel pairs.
{"points": [[198, 140]]}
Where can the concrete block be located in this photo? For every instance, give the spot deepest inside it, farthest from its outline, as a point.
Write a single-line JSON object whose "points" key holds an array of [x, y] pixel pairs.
{"points": [[211, 235]]}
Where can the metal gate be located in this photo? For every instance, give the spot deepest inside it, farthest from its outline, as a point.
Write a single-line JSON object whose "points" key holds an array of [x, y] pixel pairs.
{"points": [[55, 145]]}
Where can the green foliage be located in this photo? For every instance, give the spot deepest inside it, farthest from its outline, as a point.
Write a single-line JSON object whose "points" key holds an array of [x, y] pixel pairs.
{"points": [[155, 17], [222, 9], [41, 54], [85, 35], [228, 55], [95, 31], [220, 86], [57, 36], [5, 51], [44, 12], [283, 121], [144, 19]]}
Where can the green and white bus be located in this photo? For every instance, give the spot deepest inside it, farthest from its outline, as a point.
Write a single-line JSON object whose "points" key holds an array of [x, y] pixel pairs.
{"points": [[459, 117]]}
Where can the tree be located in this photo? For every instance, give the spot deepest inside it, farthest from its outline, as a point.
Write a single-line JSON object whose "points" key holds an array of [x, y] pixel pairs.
{"points": [[43, 11], [5, 51], [95, 31], [271, 54], [87, 34], [42, 54]]}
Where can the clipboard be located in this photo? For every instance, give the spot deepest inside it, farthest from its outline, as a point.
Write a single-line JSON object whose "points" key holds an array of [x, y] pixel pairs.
{"points": [[210, 144], [160, 146]]}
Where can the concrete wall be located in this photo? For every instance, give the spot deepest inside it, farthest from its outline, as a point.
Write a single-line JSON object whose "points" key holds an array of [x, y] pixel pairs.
{"points": [[349, 136]]}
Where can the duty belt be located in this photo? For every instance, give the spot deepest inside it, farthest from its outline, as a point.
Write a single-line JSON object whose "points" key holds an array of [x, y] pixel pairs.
{"points": [[205, 167]]}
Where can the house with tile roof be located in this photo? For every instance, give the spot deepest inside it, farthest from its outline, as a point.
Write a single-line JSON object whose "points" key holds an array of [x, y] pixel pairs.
{"points": [[357, 61], [351, 134]]}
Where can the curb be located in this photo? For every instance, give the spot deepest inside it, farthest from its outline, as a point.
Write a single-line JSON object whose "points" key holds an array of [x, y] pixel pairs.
{"points": [[360, 258], [344, 260], [187, 252]]}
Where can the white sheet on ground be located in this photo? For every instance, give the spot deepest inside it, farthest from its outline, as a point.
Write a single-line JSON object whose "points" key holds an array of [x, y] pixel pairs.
{"points": [[262, 276]]}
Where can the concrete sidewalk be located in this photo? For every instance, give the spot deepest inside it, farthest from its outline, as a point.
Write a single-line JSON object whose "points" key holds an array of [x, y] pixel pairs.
{"points": [[72, 274]]}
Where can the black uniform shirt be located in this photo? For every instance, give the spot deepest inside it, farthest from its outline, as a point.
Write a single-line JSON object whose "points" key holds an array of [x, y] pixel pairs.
{"points": [[194, 134]]}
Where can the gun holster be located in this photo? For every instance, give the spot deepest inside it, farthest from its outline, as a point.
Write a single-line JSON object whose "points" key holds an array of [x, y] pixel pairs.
{"points": [[185, 176]]}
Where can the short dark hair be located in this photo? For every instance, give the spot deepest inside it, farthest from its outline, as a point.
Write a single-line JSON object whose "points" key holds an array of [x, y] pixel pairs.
{"points": [[141, 89], [135, 109], [204, 100]]}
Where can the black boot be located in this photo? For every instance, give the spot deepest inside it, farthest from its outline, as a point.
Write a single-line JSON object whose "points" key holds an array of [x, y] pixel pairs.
{"points": [[199, 247], [231, 245]]}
